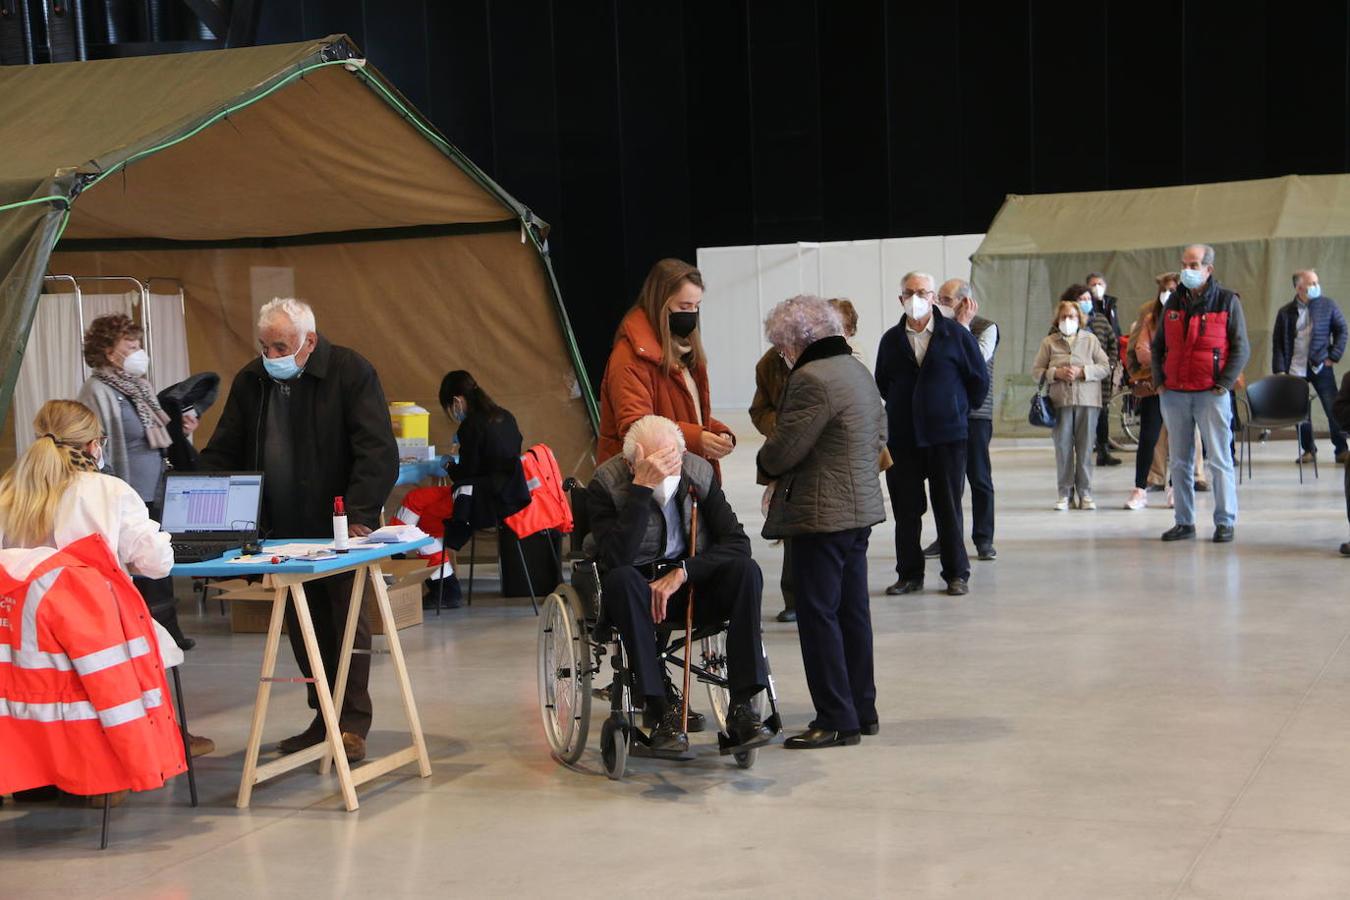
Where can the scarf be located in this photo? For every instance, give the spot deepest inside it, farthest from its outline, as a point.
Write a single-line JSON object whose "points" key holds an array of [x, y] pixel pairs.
{"points": [[138, 391]]}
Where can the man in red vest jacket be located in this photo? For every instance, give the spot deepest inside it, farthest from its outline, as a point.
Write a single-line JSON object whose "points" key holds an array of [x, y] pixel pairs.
{"points": [[1198, 353]]}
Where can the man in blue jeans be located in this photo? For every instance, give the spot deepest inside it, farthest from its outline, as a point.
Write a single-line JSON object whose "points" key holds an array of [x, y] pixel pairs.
{"points": [[1309, 338], [1199, 350]]}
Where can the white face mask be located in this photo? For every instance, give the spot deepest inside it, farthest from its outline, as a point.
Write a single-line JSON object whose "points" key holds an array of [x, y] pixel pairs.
{"points": [[917, 307], [1099, 290], [1163, 295], [947, 311], [1068, 327], [666, 489], [137, 363]]}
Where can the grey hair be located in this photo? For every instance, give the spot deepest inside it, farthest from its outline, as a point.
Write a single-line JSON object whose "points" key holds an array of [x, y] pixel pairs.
{"points": [[1092, 275], [932, 282], [1206, 253], [962, 291], [297, 312], [800, 321], [650, 431], [1301, 272]]}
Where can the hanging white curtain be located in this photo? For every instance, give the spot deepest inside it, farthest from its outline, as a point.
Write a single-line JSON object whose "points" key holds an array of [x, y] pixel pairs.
{"points": [[168, 340]]}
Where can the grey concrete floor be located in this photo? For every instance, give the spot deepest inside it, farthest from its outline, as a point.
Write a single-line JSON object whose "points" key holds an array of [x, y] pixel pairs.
{"points": [[1103, 716]]}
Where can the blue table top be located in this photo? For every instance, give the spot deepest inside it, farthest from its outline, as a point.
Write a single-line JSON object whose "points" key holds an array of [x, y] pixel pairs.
{"points": [[418, 470], [220, 568]]}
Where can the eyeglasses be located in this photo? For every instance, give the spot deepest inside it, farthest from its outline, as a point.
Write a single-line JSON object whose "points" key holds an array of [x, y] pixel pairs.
{"points": [[905, 295]]}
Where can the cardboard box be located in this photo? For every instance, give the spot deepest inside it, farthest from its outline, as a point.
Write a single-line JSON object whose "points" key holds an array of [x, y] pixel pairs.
{"points": [[251, 606]]}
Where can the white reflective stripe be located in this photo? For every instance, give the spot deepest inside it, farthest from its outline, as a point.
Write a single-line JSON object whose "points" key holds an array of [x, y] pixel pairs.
{"points": [[533, 484], [445, 570], [407, 516], [131, 710], [464, 490], [113, 656], [81, 710], [28, 642], [435, 548], [34, 659]]}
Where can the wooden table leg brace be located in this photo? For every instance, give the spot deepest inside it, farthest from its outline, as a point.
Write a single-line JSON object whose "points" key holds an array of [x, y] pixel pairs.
{"points": [[330, 751]]}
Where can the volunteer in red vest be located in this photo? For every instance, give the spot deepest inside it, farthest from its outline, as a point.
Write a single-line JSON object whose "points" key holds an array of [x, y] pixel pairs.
{"points": [[1199, 350], [658, 367]]}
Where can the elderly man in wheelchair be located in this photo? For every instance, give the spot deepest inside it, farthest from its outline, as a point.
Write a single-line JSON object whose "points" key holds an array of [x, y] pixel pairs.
{"points": [[639, 506]]}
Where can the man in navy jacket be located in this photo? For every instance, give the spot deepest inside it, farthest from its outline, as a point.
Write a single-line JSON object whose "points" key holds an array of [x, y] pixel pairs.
{"points": [[931, 375], [1309, 338]]}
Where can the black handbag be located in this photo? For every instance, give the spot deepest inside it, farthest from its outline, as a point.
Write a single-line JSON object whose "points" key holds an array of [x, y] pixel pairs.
{"points": [[1042, 413]]}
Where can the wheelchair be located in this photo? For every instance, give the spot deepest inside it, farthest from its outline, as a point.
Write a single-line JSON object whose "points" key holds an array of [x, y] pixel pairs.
{"points": [[574, 642]]}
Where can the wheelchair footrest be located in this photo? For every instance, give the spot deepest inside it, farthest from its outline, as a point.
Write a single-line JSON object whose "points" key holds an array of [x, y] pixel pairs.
{"points": [[645, 751]]}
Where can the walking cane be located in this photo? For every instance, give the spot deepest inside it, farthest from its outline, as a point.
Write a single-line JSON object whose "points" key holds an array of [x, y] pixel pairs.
{"points": [[689, 607]]}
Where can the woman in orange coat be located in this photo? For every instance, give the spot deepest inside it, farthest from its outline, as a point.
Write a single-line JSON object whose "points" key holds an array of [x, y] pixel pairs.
{"points": [[658, 367]]}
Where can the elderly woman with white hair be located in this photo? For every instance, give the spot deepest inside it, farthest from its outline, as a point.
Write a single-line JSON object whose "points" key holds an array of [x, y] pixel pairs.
{"points": [[823, 459]]}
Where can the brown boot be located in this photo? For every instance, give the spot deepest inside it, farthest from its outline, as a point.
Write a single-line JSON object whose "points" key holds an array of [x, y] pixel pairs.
{"points": [[355, 745], [200, 746]]}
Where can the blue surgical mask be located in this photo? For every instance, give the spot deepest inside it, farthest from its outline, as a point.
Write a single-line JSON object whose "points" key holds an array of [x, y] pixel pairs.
{"points": [[283, 368], [1194, 278], [1314, 291], [1085, 306]]}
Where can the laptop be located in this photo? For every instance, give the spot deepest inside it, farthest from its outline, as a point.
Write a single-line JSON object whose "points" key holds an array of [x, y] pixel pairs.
{"points": [[208, 513]]}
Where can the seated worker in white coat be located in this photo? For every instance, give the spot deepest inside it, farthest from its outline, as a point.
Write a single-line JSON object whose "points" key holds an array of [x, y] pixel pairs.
{"points": [[55, 495]]}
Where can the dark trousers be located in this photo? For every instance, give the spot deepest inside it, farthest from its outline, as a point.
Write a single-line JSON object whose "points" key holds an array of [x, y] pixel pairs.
{"points": [[1324, 382], [328, 600], [730, 593], [1150, 428], [980, 474], [1104, 421], [944, 468], [786, 582], [834, 623]]}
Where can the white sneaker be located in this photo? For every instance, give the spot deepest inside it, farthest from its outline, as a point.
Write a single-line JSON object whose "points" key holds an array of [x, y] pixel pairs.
{"points": [[1062, 504], [1086, 502], [1138, 499]]}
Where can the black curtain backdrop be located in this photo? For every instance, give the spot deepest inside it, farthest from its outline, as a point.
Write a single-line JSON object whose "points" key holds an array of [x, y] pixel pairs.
{"points": [[645, 129]]}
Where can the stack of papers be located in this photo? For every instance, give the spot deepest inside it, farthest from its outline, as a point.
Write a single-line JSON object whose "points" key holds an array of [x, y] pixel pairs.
{"points": [[392, 534]]}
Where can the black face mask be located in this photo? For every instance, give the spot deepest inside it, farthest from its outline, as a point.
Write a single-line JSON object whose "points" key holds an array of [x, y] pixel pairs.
{"points": [[682, 324]]}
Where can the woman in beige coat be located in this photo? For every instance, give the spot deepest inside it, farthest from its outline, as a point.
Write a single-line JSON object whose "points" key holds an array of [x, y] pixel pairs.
{"points": [[1072, 361]]}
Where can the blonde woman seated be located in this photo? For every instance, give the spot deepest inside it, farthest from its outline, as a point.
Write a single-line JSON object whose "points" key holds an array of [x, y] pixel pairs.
{"points": [[1072, 361], [55, 495]]}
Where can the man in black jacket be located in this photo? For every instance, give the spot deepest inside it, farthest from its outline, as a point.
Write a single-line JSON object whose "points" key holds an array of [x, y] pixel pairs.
{"points": [[639, 506], [312, 416], [1109, 307]]}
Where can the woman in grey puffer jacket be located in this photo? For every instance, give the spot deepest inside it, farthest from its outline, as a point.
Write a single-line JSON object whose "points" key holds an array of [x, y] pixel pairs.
{"points": [[823, 460]]}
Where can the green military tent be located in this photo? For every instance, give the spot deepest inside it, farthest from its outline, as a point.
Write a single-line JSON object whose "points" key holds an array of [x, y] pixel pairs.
{"points": [[1262, 232], [240, 171]]}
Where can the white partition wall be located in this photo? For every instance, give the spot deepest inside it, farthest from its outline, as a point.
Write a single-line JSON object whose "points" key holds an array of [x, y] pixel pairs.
{"points": [[744, 283]]}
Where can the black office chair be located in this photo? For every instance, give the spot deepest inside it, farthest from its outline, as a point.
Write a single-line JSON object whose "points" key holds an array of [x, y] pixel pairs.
{"points": [[1276, 401]]}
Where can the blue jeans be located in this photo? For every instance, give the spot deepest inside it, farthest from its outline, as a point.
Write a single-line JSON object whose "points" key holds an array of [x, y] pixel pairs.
{"points": [[1324, 382], [1184, 412]]}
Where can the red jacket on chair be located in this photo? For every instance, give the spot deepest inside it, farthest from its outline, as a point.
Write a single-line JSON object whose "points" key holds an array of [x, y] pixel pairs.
{"points": [[84, 704], [549, 506]]}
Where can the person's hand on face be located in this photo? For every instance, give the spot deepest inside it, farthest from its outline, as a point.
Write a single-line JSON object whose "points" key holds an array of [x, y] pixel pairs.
{"points": [[653, 468], [966, 309], [716, 446], [663, 589]]}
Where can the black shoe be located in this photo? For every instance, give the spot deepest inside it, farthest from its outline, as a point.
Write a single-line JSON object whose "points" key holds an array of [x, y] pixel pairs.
{"points": [[986, 553], [184, 643], [667, 737], [1106, 459], [1202, 486], [697, 721], [431, 593], [312, 735], [905, 586], [816, 738], [745, 728], [957, 587], [1179, 533], [1345, 549], [787, 615], [933, 550], [1223, 534], [871, 729]]}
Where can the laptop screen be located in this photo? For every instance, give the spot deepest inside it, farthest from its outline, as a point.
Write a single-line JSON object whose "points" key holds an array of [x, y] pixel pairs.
{"points": [[211, 503]]}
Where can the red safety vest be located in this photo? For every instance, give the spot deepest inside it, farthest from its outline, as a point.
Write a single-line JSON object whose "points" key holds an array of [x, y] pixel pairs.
{"points": [[549, 506], [83, 700], [1197, 345]]}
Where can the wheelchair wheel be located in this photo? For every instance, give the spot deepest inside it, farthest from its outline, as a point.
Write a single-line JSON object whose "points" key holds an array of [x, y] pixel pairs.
{"points": [[614, 748], [564, 676], [713, 657]]}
